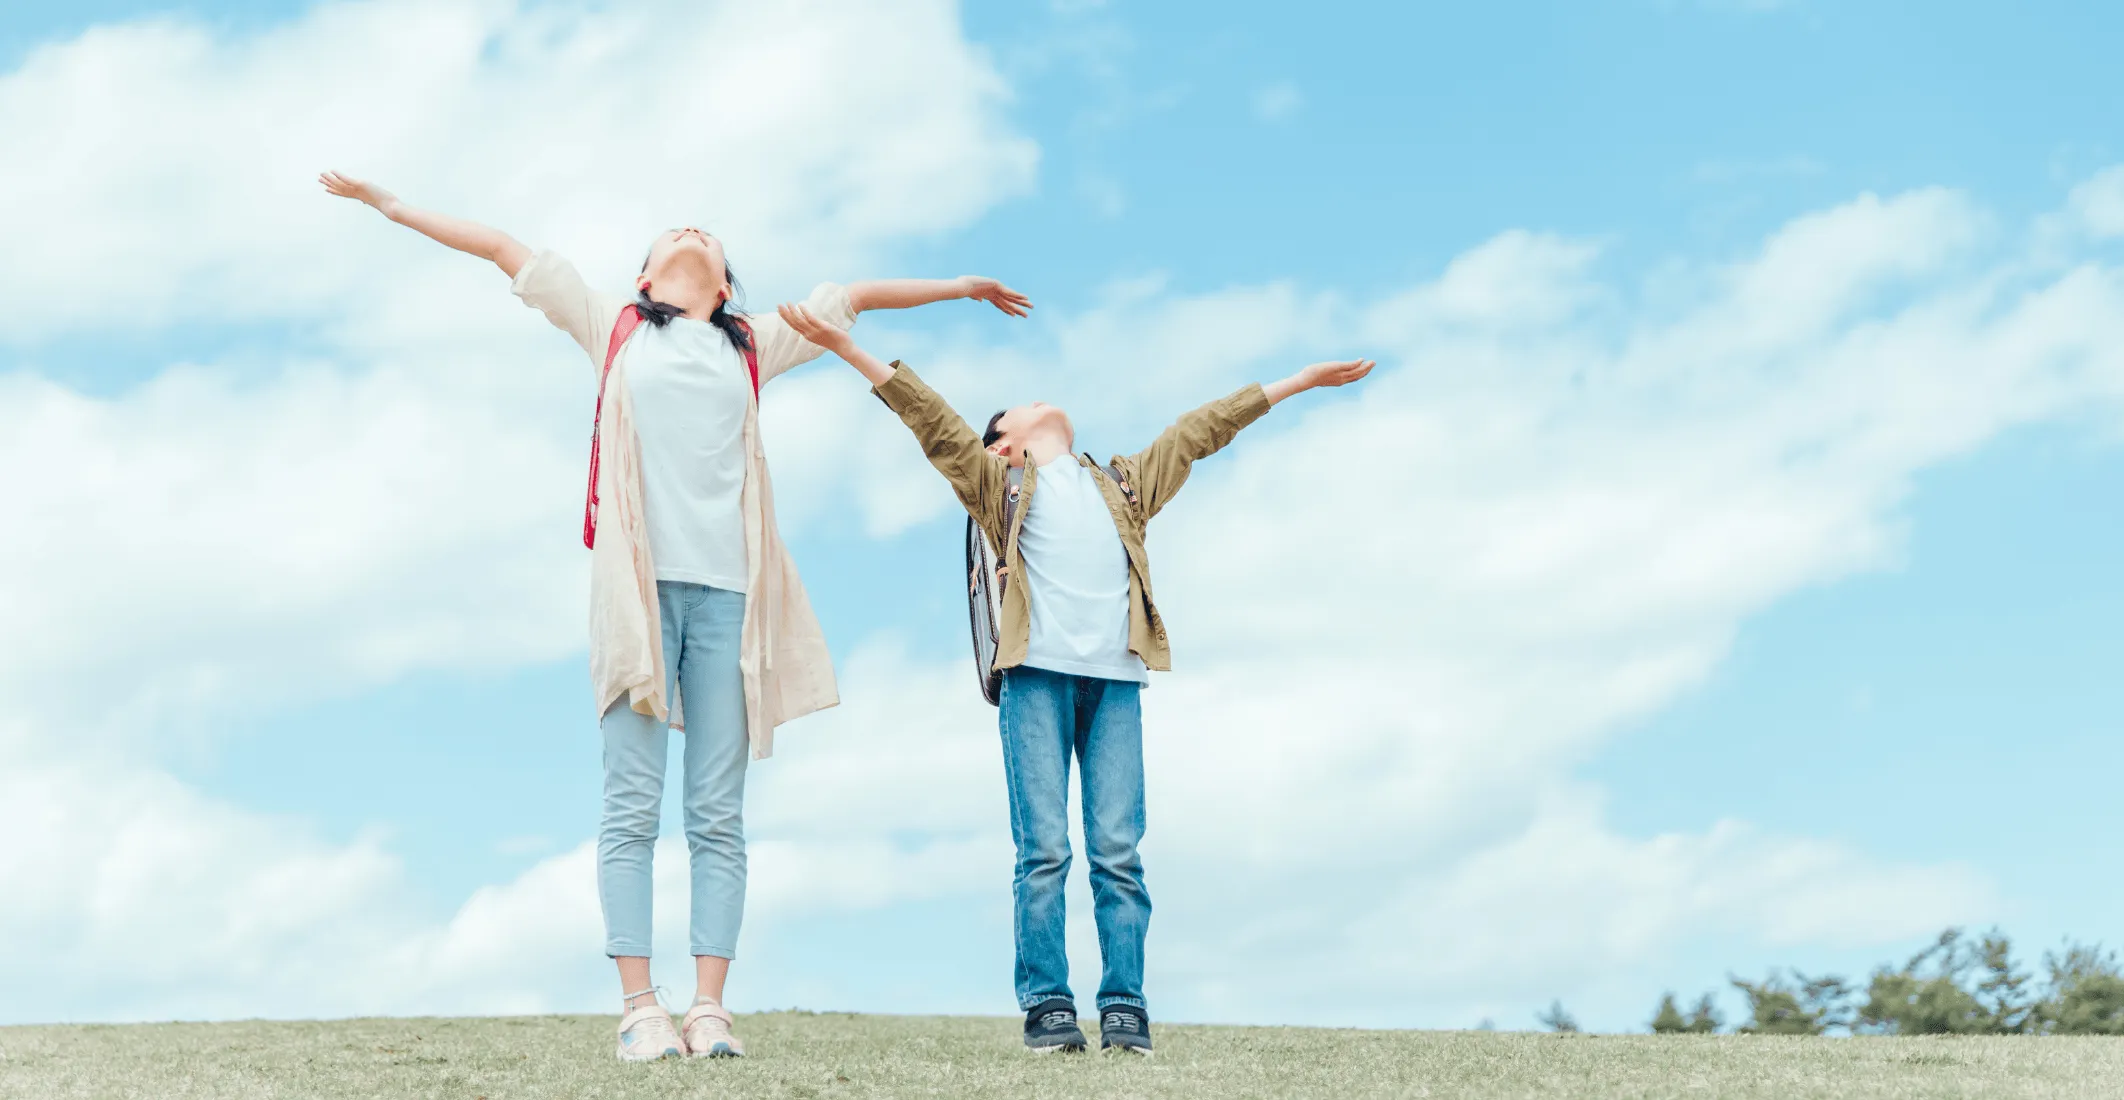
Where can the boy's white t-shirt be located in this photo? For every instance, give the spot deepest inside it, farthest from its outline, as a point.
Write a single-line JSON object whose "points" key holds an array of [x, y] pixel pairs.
{"points": [[690, 388], [1076, 577]]}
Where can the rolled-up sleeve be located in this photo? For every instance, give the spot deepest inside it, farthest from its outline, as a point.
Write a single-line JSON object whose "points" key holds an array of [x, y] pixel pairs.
{"points": [[780, 348], [550, 284]]}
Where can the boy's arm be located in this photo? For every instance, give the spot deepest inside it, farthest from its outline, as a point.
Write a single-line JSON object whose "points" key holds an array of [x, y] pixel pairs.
{"points": [[1342, 372], [1162, 467], [946, 439]]}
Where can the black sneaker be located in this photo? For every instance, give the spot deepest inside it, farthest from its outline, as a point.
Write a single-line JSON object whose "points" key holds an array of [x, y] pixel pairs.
{"points": [[1052, 1026], [1124, 1027]]}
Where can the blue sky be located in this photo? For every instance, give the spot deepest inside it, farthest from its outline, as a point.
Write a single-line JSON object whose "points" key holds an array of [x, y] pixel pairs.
{"points": [[1861, 694]]}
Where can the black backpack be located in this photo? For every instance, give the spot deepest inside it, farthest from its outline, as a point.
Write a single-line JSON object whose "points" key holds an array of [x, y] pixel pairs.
{"points": [[986, 576]]}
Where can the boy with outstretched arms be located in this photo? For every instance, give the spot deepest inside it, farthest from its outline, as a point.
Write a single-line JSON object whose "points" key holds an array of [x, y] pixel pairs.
{"points": [[1077, 635]]}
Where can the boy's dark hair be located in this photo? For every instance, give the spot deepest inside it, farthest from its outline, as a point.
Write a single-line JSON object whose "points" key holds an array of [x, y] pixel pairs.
{"points": [[659, 314], [990, 434]]}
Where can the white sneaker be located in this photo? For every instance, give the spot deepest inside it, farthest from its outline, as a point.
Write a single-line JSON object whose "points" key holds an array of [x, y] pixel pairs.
{"points": [[646, 1034], [708, 1034]]}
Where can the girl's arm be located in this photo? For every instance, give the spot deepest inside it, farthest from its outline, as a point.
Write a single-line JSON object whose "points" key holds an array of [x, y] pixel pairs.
{"points": [[486, 242], [908, 293]]}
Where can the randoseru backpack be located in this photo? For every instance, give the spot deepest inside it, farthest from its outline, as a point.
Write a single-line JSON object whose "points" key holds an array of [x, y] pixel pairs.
{"points": [[986, 576]]}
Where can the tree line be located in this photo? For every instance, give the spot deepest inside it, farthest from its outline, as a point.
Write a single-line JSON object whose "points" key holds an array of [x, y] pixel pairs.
{"points": [[1959, 985]]}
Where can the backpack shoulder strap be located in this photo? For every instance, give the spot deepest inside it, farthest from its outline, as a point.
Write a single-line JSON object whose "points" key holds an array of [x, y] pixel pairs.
{"points": [[752, 354], [629, 318], [1013, 501], [1113, 470], [623, 326]]}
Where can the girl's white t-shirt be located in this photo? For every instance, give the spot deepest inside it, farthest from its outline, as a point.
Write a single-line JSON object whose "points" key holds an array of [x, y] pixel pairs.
{"points": [[690, 388]]}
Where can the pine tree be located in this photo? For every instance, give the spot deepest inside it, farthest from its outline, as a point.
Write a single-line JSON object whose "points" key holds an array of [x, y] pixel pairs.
{"points": [[1669, 1020], [1704, 1018], [2003, 992]]}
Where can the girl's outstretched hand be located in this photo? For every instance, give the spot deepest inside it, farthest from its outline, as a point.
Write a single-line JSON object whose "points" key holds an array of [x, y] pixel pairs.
{"points": [[362, 191], [807, 325], [984, 289]]}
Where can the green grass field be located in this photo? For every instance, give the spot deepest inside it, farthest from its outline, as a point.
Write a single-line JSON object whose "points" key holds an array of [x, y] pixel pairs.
{"points": [[803, 1055]]}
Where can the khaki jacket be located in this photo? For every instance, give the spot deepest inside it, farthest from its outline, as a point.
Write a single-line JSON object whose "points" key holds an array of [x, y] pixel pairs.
{"points": [[982, 482], [787, 670]]}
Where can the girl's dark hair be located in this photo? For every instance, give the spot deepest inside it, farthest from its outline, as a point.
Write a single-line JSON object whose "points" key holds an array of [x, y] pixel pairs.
{"points": [[990, 434], [659, 314]]}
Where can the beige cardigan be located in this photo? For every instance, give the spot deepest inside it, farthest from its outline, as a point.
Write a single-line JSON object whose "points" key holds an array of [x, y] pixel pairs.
{"points": [[788, 672]]}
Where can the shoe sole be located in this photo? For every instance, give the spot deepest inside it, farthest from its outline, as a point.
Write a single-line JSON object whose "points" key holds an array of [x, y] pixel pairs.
{"points": [[719, 1050], [649, 1057], [1057, 1048], [1140, 1052]]}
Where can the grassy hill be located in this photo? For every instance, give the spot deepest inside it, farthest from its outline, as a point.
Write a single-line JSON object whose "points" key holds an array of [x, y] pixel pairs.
{"points": [[806, 1056]]}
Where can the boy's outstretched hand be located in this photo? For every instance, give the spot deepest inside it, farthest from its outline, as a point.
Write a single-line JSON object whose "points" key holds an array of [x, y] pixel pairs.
{"points": [[1341, 372], [834, 339]]}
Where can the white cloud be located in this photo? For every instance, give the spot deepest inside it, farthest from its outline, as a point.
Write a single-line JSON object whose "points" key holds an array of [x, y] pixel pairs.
{"points": [[181, 178], [2099, 203], [1565, 903], [190, 537]]}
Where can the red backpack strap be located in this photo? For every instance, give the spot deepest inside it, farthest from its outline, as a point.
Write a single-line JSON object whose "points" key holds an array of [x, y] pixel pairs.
{"points": [[752, 356], [629, 318]]}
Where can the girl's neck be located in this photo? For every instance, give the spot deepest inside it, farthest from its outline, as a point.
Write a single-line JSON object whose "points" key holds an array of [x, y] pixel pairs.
{"points": [[688, 291]]}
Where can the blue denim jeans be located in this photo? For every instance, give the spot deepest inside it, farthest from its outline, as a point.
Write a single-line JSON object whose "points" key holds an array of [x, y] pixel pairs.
{"points": [[1046, 718], [700, 627]]}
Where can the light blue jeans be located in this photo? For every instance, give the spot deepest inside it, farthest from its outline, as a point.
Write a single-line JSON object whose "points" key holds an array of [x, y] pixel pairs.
{"points": [[1047, 718], [700, 627]]}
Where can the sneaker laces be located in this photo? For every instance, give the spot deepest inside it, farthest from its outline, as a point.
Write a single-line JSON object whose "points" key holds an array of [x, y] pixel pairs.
{"points": [[1059, 1018], [1124, 1020]]}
